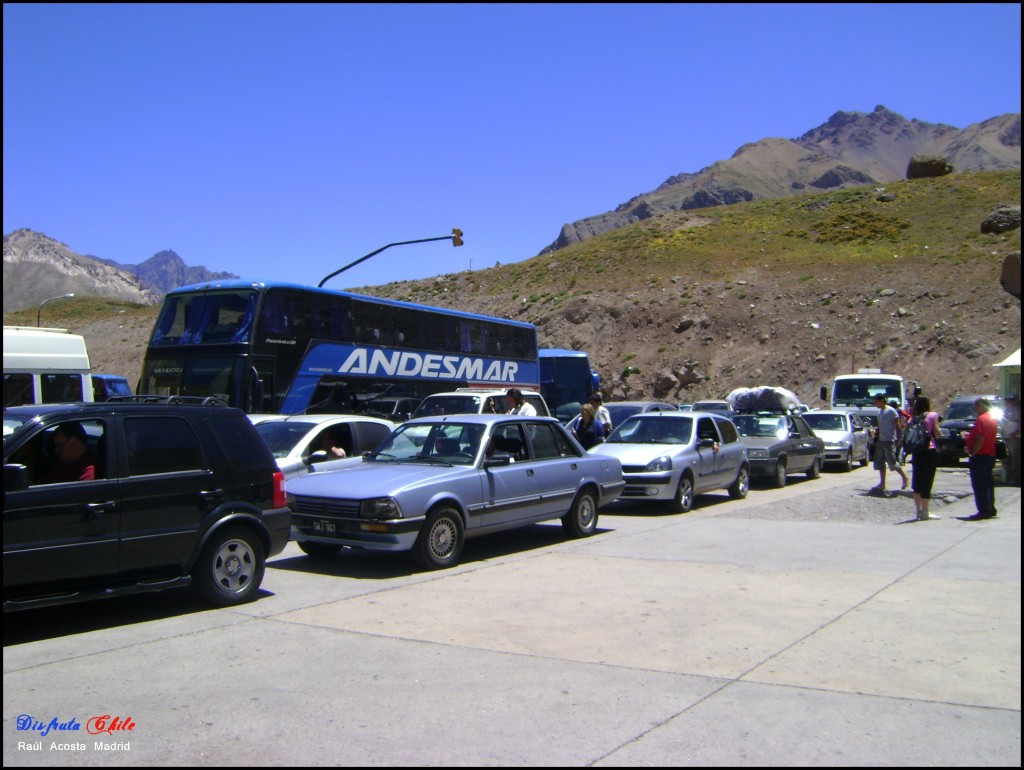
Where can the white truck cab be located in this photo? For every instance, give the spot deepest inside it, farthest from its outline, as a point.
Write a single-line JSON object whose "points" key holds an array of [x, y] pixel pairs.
{"points": [[45, 365]]}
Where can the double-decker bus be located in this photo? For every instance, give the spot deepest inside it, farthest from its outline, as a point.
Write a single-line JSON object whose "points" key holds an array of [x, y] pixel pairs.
{"points": [[287, 348], [567, 379]]}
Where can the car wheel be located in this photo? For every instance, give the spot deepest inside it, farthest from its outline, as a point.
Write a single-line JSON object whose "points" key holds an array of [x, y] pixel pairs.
{"points": [[864, 460], [439, 544], [318, 550], [780, 474], [741, 485], [230, 568], [581, 520], [815, 470], [684, 495], [848, 462]]}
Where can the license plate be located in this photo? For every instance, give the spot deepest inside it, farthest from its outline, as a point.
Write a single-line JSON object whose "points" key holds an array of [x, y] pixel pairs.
{"points": [[325, 527]]}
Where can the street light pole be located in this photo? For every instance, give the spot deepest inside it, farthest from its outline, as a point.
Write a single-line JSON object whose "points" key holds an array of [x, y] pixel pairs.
{"points": [[455, 238], [39, 315]]}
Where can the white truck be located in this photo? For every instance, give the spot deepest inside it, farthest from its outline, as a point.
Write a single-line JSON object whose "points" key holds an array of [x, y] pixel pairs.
{"points": [[45, 365], [857, 392]]}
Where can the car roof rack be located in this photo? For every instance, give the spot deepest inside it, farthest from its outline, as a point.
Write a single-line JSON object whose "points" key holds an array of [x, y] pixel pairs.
{"points": [[171, 400]]}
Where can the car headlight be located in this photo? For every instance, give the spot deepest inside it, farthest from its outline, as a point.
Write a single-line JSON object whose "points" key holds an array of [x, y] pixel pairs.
{"points": [[380, 508], [947, 432], [663, 463], [758, 453]]}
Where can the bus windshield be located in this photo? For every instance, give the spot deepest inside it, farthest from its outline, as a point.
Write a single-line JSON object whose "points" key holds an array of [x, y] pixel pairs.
{"points": [[205, 318]]}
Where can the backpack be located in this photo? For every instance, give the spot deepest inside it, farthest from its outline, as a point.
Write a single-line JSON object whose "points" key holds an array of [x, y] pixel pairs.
{"points": [[915, 437]]}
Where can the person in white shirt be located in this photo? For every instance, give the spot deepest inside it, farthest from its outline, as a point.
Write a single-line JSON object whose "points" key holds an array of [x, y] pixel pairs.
{"points": [[603, 417], [518, 405]]}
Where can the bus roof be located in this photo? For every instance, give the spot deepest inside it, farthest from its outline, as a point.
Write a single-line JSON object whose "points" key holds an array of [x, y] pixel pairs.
{"points": [[238, 285]]}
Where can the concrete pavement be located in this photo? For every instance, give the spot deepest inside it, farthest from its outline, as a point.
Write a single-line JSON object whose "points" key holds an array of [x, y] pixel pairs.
{"points": [[801, 626]]}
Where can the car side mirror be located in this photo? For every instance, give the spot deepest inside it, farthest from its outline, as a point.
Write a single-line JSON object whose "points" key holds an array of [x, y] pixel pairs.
{"points": [[15, 478], [707, 443], [319, 456]]}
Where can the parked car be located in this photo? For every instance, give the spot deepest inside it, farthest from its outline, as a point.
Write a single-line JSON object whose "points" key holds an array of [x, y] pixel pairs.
{"points": [[106, 385], [780, 444], [477, 401], [672, 457], [303, 442], [397, 409], [958, 420], [844, 434], [436, 481], [714, 405], [162, 495]]}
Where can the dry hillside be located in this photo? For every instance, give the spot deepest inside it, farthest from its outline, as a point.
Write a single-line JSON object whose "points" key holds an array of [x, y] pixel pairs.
{"points": [[786, 292]]}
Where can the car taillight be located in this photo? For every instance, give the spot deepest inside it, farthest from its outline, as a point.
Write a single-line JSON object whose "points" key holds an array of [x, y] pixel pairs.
{"points": [[279, 498]]}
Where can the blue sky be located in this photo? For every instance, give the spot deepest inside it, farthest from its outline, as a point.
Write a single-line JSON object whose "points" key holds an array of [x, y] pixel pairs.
{"points": [[281, 142]]}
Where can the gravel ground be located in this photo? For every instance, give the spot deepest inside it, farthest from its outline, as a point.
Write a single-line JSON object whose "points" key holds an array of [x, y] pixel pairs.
{"points": [[855, 503]]}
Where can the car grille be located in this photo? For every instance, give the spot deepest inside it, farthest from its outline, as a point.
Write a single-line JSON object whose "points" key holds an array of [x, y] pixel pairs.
{"points": [[326, 506]]}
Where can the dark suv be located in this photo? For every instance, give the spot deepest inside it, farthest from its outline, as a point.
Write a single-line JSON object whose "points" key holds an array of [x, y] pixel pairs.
{"points": [[137, 494]]}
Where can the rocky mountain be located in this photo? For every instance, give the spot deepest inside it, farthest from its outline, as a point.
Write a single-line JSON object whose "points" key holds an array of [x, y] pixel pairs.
{"points": [[165, 270], [850, 149], [37, 267]]}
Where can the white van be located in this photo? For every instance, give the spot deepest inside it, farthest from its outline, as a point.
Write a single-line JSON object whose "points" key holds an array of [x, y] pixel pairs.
{"points": [[477, 401], [43, 365]]}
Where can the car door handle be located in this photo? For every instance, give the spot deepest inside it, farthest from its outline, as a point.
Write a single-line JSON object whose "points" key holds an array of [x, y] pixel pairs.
{"points": [[530, 472], [212, 494], [93, 510]]}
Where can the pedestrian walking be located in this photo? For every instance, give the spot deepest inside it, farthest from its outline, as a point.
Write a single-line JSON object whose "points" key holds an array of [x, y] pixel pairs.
{"points": [[889, 433]]}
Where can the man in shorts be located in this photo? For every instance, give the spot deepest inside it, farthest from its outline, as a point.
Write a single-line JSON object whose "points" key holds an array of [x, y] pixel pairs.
{"points": [[889, 432]]}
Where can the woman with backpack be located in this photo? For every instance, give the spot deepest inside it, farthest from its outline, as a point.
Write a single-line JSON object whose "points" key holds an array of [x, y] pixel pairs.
{"points": [[925, 455]]}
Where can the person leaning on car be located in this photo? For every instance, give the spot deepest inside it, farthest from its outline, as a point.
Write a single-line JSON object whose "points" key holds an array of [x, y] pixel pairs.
{"points": [[518, 404]]}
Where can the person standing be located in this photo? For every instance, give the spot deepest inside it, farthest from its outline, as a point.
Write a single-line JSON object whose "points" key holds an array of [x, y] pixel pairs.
{"points": [[588, 431], [889, 433], [519, 405], [1011, 435], [926, 461], [980, 443], [601, 412]]}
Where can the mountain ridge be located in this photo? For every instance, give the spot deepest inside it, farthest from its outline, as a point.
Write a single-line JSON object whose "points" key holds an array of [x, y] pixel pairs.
{"points": [[849, 149]]}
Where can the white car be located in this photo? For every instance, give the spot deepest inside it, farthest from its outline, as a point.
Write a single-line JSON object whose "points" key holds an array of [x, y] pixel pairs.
{"points": [[302, 443], [844, 433]]}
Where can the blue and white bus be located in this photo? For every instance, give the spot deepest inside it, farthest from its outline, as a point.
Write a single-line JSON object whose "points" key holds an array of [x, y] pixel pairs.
{"points": [[567, 378], [288, 348]]}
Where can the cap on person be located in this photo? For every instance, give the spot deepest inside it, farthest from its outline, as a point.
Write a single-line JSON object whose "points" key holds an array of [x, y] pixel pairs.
{"points": [[596, 396]]}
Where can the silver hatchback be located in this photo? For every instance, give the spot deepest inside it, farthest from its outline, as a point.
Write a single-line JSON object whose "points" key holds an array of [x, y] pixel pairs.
{"points": [[674, 456]]}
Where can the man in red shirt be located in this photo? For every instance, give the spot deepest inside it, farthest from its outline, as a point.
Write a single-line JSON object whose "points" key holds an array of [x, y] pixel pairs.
{"points": [[980, 443]]}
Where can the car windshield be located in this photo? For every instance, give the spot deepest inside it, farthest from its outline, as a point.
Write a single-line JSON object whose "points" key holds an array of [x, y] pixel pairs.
{"points": [[448, 405], [765, 426], [826, 421], [450, 443], [710, 406], [653, 429], [961, 411], [282, 436], [12, 422]]}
